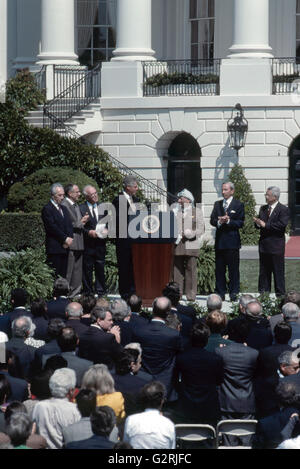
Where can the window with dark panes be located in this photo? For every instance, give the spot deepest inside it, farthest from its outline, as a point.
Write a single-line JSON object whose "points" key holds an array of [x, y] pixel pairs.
{"points": [[202, 19], [96, 21]]}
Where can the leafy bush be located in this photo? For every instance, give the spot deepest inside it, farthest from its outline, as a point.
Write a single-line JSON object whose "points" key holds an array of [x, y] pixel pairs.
{"points": [[26, 269], [25, 149], [33, 193], [243, 192], [22, 92], [177, 78], [20, 231], [206, 269], [111, 268]]}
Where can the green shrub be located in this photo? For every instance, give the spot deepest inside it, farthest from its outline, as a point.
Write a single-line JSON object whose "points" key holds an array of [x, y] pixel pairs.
{"points": [[33, 193], [111, 268], [20, 231], [177, 78], [22, 92], [25, 149], [26, 269], [243, 192], [206, 270]]}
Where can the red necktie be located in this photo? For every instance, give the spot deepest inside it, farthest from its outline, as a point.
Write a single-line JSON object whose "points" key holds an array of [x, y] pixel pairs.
{"points": [[269, 212]]}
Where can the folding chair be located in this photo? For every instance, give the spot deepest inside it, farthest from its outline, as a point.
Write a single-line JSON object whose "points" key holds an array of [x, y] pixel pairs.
{"points": [[236, 427], [191, 436]]}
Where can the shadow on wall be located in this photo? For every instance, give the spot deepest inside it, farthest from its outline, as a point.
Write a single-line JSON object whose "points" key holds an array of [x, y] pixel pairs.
{"points": [[224, 163]]}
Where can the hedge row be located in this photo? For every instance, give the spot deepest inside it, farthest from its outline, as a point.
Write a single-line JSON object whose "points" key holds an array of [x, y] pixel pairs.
{"points": [[20, 231]]}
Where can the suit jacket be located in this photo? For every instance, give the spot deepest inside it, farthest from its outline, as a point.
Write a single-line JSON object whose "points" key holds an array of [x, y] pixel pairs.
{"points": [[267, 363], [75, 216], [78, 326], [160, 345], [227, 235], [19, 387], [236, 392], [122, 206], [95, 442], [57, 228], [130, 385], [268, 429], [272, 237], [24, 352], [190, 219], [56, 308], [260, 334], [201, 372], [90, 244], [79, 365], [78, 431], [99, 347]]}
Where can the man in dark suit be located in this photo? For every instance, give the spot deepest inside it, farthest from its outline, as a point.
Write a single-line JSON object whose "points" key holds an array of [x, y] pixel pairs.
{"points": [[103, 420], [228, 217], [18, 299], [201, 372], [101, 341], [59, 231], [272, 221], [124, 205], [21, 328], [94, 244], [55, 327], [160, 345], [56, 308], [68, 342], [127, 382], [236, 394], [74, 272], [268, 430]]}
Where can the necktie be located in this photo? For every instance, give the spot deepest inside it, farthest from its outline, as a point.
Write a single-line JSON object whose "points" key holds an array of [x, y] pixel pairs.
{"points": [[60, 211], [95, 210], [225, 205], [269, 212]]}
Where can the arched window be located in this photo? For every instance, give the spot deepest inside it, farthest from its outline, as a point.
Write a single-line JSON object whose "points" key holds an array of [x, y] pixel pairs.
{"points": [[202, 19], [184, 169], [96, 20]]}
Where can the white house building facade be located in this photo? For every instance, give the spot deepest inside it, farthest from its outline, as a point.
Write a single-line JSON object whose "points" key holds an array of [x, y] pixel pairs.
{"points": [[171, 73]]}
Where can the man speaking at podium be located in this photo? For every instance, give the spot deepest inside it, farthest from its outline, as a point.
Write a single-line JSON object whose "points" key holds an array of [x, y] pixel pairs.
{"points": [[124, 205]]}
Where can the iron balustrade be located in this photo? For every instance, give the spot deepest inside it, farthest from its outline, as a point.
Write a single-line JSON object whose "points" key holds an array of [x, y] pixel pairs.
{"points": [[286, 75], [182, 77], [40, 78], [75, 97]]}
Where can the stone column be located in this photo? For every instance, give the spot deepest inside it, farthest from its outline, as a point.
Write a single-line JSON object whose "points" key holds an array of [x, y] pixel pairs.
{"points": [[251, 29], [58, 33], [133, 31]]}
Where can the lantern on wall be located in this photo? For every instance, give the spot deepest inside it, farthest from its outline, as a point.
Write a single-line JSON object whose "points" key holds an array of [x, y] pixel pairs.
{"points": [[237, 127]]}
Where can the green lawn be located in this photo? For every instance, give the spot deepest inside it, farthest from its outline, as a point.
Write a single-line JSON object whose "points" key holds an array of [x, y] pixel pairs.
{"points": [[249, 275]]}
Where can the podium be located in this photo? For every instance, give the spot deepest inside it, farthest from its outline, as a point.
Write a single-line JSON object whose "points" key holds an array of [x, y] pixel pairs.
{"points": [[153, 236]]}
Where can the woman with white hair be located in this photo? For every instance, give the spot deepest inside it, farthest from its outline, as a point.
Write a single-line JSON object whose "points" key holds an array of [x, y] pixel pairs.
{"points": [[190, 228]]}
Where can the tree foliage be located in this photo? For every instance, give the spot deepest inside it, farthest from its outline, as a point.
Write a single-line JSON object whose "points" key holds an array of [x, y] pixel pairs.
{"points": [[32, 194], [243, 192]]}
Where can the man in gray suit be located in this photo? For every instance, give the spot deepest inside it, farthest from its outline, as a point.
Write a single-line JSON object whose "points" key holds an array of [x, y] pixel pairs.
{"points": [[74, 270]]}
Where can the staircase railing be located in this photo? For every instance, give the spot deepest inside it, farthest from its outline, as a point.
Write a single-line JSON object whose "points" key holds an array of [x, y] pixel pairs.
{"points": [[151, 191], [73, 99], [76, 97]]}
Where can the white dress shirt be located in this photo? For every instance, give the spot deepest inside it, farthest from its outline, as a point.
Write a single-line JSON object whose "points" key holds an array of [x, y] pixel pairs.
{"points": [[149, 430]]}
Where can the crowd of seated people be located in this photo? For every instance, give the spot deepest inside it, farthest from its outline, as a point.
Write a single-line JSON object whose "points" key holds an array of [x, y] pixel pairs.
{"points": [[86, 373]]}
